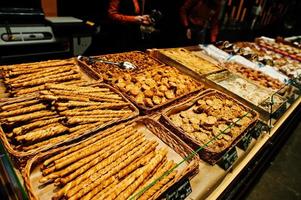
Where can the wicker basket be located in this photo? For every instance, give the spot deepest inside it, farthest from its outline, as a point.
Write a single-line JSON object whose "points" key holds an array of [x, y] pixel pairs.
{"points": [[143, 109], [206, 154], [24, 155], [156, 131]]}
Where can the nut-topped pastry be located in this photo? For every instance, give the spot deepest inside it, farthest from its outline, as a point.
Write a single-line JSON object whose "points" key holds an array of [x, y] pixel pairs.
{"points": [[190, 60], [214, 121], [253, 93], [261, 79], [156, 86], [108, 72], [255, 75]]}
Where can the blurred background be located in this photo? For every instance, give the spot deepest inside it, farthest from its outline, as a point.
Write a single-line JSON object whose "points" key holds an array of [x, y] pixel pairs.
{"points": [[87, 31]]}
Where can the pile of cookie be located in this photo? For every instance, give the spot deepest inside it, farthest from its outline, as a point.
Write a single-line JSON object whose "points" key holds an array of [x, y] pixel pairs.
{"points": [[156, 86], [215, 120]]}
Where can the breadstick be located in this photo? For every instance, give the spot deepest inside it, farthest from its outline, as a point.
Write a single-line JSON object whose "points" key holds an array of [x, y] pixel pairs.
{"points": [[80, 127], [47, 80], [138, 163], [62, 97], [33, 125], [46, 143], [86, 175], [78, 104], [155, 188], [22, 72], [30, 116], [43, 64], [134, 177], [77, 88], [19, 105], [40, 74], [28, 109], [41, 134], [28, 90], [104, 191], [90, 127], [81, 120], [112, 181], [95, 158], [159, 172], [62, 108], [110, 95], [113, 113], [25, 73], [117, 129], [103, 99], [114, 168], [82, 160], [41, 80], [85, 178], [88, 151], [101, 107], [74, 82], [97, 144]]}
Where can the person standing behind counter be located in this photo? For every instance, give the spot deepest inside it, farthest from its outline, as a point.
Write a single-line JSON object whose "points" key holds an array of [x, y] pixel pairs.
{"points": [[126, 17], [200, 20]]}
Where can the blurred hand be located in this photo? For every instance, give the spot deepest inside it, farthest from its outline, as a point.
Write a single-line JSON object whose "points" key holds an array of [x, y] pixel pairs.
{"points": [[188, 33], [143, 19]]}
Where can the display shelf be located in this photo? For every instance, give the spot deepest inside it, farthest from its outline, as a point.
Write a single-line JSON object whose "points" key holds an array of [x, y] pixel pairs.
{"points": [[212, 182]]}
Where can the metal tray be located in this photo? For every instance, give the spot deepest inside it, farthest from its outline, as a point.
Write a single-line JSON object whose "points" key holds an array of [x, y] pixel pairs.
{"points": [[193, 50], [266, 113]]}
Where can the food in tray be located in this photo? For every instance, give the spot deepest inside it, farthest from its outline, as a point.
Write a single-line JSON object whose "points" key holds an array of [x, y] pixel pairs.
{"points": [[190, 60], [256, 95], [260, 55], [255, 75], [209, 118], [118, 163], [108, 72], [292, 51], [59, 113], [156, 86], [24, 79]]}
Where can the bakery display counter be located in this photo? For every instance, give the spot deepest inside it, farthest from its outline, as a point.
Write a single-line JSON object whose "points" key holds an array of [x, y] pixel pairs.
{"points": [[211, 182], [170, 128]]}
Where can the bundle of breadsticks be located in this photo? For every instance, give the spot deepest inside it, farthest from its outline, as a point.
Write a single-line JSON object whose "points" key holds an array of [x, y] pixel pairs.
{"points": [[59, 113], [87, 106], [24, 79], [29, 123], [119, 163]]}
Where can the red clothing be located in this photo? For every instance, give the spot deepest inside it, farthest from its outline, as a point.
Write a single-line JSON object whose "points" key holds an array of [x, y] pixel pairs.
{"points": [[116, 14], [196, 13]]}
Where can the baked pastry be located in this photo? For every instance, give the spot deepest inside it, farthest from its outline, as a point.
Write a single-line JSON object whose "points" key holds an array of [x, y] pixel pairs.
{"points": [[214, 121], [190, 60], [156, 86]]}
